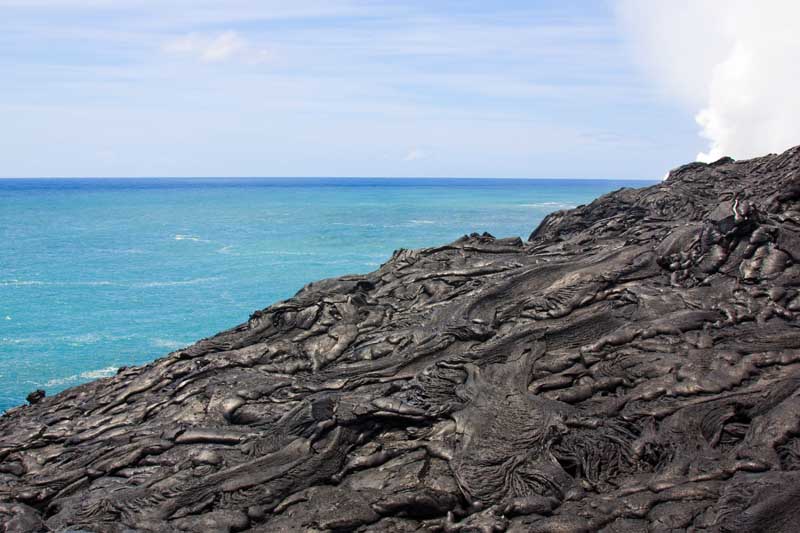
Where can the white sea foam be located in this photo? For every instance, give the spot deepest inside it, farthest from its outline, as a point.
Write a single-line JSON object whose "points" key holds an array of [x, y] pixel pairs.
{"points": [[25, 283], [420, 222], [83, 376], [334, 262], [100, 373], [229, 250], [9, 341], [85, 338], [168, 344], [286, 252], [74, 340], [120, 251], [92, 338], [19, 283], [353, 224], [180, 237], [152, 284], [138, 285]]}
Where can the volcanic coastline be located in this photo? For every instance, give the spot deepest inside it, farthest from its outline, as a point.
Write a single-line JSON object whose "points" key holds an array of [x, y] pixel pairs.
{"points": [[633, 366]]}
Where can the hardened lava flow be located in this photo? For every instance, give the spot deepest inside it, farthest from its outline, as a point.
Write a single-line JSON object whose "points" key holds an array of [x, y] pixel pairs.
{"points": [[634, 366]]}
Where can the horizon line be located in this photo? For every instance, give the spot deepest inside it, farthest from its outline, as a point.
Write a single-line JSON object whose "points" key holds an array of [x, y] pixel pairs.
{"points": [[6, 178]]}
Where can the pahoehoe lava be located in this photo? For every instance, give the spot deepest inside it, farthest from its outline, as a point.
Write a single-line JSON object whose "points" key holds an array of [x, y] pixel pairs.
{"points": [[634, 366]]}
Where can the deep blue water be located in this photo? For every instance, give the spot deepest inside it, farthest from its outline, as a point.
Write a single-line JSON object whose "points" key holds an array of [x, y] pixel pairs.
{"points": [[96, 274]]}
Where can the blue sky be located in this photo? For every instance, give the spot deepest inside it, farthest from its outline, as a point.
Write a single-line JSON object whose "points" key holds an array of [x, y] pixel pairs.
{"points": [[330, 88]]}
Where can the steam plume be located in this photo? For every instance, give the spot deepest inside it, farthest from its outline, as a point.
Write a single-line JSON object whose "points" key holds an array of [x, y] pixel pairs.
{"points": [[737, 62]]}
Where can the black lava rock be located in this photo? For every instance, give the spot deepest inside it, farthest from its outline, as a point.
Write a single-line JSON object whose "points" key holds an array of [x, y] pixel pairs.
{"points": [[35, 396]]}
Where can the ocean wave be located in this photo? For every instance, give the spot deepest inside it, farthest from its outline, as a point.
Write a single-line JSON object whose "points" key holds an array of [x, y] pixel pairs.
{"points": [[26, 283], [286, 252], [83, 376], [354, 224], [74, 340], [228, 250], [92, 338], [333, 262], [152, 284], [180, 237], [549, 205], [19, 283], [420, 222], [11, 341], [85, 338], [137, 285], [126, 251]]}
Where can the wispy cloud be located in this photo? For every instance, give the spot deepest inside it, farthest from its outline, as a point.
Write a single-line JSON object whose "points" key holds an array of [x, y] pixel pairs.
{"points": [[215, 48], [415, 154]]}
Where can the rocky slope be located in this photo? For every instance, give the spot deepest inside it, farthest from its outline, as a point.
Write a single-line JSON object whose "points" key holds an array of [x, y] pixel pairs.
{"points": [[634, 366]]}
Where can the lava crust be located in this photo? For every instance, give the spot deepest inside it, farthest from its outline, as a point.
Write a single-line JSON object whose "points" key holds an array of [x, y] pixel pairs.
{"points": [[634, 366]]}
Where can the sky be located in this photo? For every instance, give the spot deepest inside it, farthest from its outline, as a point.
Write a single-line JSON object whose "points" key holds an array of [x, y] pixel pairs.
{"points": [[352, 88]]}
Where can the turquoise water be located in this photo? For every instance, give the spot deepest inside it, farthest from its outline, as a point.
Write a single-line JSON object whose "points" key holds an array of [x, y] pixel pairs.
{"points": [[96, 274]]}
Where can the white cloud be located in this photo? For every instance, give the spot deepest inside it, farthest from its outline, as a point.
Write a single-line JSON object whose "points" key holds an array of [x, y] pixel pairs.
{"points": [[734, 61], [415, 154], [212, 49]]}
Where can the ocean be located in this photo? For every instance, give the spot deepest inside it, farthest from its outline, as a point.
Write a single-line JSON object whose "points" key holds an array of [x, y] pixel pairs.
{"points": [[100, 273]]}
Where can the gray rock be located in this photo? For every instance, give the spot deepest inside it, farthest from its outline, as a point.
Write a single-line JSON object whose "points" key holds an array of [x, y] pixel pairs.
{"points": [[634, 366]]}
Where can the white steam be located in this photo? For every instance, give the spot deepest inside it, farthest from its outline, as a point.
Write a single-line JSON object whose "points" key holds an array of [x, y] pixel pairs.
{"points": [[735, 61]]}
